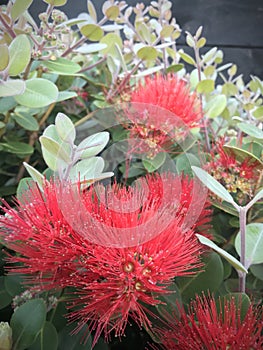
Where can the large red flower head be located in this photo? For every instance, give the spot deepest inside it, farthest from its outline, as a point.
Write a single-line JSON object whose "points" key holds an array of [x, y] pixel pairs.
{"points": [[215, 325], [239, 176], [144, 243], [172, 94]]}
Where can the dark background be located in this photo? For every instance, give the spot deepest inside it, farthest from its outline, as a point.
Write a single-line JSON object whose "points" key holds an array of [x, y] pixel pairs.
{"points": [[235, 26]]}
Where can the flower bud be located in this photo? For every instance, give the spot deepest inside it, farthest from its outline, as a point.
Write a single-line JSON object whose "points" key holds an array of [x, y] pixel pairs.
{"points": [[5, 336]]}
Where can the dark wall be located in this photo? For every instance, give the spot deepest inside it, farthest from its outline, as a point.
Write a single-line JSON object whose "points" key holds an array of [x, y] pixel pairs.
{"points": [[235, 26]]}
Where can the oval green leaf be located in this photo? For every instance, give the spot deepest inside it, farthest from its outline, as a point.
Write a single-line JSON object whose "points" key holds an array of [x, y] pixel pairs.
{"points": [[92, 31], [18, 148], [19, 8], [56, 2], [65, 128], [216, 106], [39, 92], [92, 145], [26, 322], [154, 163], [62, 66], [19, 55], [205, 86], [253, 244], [47, 339], [251, 130], [147, 53], [27, 121]]}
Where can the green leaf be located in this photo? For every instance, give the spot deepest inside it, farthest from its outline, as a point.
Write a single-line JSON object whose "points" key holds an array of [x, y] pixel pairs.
{"points": [[19, 8], [205, 86], [241, 154], [210, 278], [147, 53], [39, 93], [67, 341], [14, 284], [62, 66], [175, 68], [231, 259], [26, 322], [92, 31], [5, 297], [201, 43], [18, 148], [188, 59], [242, 302], [4, 56], [54, 148], [258, 113], [23, 186], [7, 103], [56, 2], [19, 55], [184, 163], [253, 244], [92, 10], [66, 95], [12, 87], [112, 12], [92, 145], [25, 120], [216, 106], [257, 197], [213, 184], [35, 174], [154, 163], [65, 128], [87, 169], [171, 300], [251, 130], [47, 339], [257, 271], [111, 39], [91, 48]]}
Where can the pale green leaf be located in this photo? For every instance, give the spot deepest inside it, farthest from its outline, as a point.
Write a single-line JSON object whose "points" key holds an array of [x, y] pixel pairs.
{"points": [[111, 39], [91, 48], [92, 145], [152, 164], [62, 66], [12, 87], [19, 55], [230, 258], [212, 184], [39, 93], [92, 31], [112, 12], [4, 56], [65, 128], [205, 86], [56, 2], [216, 106], [53, 147], [147, 53], [187, 58], [92, 11], [26, 120], [257, 197], [253, 244], [19, 8], [35, 174], [66, 95], [251, 130]]}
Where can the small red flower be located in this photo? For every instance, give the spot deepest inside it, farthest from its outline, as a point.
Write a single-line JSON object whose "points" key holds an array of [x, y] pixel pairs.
{"points": [[172, 94], [160, 114], [212, 325]]}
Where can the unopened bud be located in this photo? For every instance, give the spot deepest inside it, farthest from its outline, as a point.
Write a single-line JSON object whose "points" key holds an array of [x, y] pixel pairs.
{"points": [[5, 336]]}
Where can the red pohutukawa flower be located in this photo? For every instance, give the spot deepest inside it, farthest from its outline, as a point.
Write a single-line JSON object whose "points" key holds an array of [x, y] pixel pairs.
{"points": [[161, 112], [239, 176], [34, 229], [172, 94], [143, 247], [215, 325]]}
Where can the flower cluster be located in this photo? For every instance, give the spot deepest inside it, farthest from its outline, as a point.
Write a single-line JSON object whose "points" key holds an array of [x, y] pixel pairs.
{"points": [[147, 243]]}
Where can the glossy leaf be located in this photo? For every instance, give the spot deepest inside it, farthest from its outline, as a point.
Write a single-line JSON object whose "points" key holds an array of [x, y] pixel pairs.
{"points": [[216, 106], [39, 93], [62, 66], [65, 128], [251, 130], [12, 87], [4, 56], [92, 145], [253, 244], [19, 55], [230, 258], [19, 8], [212, 184], [26, 322], [92, 31], [47, 339], [18, 148], [210, 278]]}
